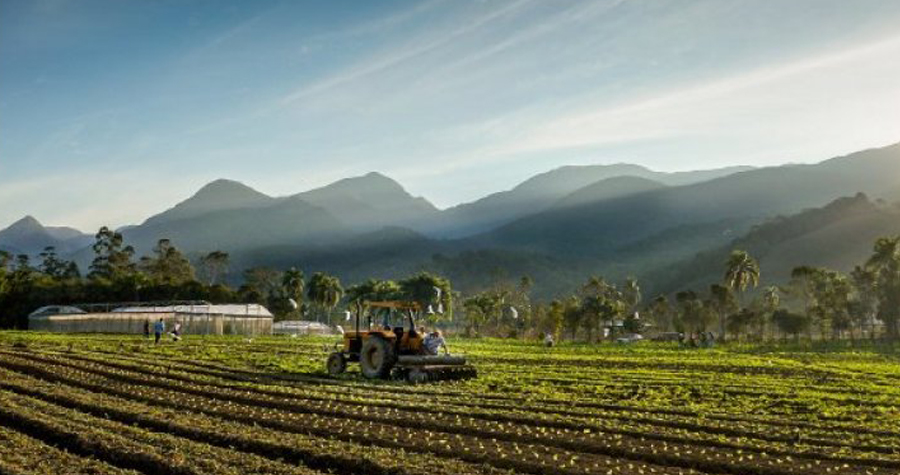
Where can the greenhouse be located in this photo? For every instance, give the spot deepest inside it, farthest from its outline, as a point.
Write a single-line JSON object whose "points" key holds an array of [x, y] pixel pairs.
{"points": [[196, 318]]}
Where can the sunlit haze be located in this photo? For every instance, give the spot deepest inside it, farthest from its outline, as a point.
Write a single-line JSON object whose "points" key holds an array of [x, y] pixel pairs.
{"points": [[111, 111]]}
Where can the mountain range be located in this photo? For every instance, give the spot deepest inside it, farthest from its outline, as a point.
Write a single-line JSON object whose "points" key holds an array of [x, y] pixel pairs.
{"points": [[558, 227]]}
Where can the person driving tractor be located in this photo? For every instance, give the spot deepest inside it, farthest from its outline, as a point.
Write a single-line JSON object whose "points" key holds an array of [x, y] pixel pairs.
{"points": [[434, 342]]}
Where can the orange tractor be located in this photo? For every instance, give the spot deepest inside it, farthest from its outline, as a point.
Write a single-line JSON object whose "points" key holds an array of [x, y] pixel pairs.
{"points": [[392, 351]]}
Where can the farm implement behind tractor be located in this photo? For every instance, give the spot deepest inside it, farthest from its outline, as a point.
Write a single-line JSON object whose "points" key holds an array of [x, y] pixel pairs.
{"points": [[392, 351]]}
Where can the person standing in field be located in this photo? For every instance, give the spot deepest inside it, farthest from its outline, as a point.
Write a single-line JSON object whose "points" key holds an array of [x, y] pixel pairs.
{"points": [[548, 340], [176, 331], [159, 328], [147, 329]]}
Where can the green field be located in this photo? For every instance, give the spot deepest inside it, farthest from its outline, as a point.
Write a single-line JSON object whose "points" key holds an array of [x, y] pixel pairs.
{"points": [[113, 404]]}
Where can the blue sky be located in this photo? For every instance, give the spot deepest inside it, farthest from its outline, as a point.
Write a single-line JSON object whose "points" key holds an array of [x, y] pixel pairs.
{"points": [[111, 111]]}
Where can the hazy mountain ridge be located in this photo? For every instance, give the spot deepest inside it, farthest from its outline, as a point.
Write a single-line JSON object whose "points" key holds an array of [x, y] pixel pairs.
{"points": [[29, 236], [369, 226], [839, 235], [541, 191], [750, 196]]}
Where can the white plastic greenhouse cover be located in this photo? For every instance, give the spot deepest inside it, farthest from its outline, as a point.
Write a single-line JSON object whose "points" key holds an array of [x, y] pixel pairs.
{"points": [[202, 309]]}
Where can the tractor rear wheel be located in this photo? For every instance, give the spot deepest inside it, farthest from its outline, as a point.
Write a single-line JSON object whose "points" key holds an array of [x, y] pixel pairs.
{"points": [[376, 358], [336, 364]]}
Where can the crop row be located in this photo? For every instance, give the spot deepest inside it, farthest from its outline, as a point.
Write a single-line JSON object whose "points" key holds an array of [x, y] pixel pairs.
{"points": [[799, 394], [24, 455], [503, 438], [607, 420], [260, 437], [126, 446]]}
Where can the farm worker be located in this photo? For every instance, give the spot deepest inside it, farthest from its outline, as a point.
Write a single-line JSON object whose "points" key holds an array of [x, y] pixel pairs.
{"points": [[548, 340], [434, 342], [147, 328], [176, 332], [159, 328]]}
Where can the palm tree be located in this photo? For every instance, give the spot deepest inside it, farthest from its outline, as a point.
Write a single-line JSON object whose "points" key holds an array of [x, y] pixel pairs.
{"points": [[292, 284], [741, 271], [324, 291]]}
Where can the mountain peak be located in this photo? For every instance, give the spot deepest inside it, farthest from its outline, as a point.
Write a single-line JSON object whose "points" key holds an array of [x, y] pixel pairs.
{"points": [[226, 187], [216, 195], [369, 201], [28, 223]]}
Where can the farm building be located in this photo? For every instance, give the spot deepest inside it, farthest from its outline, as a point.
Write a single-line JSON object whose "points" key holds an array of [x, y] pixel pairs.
{"points": [[196, 318]]}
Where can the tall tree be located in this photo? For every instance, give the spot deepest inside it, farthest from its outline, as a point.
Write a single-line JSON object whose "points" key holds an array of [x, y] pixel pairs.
{"points": [[324, 291], [264, 281], [741, 272], [631, 295], [885, 262], [790, 323], [601, 303], [292, 285], [214, 267], [55, 267], [167, 265], [429, 290], [113, 259], [661, 313], [694, 316], [723, 304], [865, 298], [771, 301]]}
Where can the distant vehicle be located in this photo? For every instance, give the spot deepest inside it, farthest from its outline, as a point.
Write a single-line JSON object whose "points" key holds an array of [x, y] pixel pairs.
{"points": [[56, 310], [668, 336], [633, 338]]}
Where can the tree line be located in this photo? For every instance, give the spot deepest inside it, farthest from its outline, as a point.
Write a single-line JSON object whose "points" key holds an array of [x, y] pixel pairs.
{"points": [[117, 275], [816, 303]]}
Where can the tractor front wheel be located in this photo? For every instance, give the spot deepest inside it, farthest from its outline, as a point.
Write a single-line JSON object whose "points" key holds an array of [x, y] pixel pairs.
{"points": [[377, 358], [336, 364]]}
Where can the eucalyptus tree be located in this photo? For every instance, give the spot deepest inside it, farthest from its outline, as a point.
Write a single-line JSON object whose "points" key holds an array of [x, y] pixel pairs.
{"points": [[113, 258], [693, 314], [167, 265], [864, 303], [885, 263], [661, 313], [791, 323], [771, 301], [631, 295], [802, 288], [601, 303], [214, 266], [483, 309], [723, 304]]}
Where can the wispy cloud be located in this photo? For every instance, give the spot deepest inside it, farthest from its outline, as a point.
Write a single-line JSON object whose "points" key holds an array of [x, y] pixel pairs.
{"points": [[396, 56]]}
